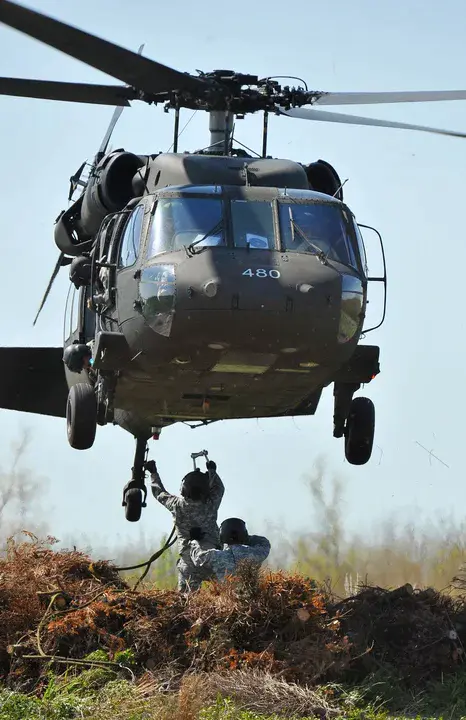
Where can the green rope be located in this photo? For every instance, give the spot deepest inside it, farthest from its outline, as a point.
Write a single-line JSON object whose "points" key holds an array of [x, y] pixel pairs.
{"points": [[168, 543]]}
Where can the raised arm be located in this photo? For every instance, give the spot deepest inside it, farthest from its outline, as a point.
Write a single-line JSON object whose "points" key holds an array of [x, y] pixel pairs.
{"points": [[158, 491], [217, 488], [260, 548]]}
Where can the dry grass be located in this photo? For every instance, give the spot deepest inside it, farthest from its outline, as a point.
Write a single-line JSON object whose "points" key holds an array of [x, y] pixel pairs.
{"points": [[261, 692], [252, 690]]}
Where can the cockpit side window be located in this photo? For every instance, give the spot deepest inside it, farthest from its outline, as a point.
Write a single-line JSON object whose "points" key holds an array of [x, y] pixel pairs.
{"points": [[253, 224], [131, 239], [316, 227], [182, 221]]}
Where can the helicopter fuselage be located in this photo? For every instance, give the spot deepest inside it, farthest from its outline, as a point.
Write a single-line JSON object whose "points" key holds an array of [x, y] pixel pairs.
{"points": [[224, 302]]}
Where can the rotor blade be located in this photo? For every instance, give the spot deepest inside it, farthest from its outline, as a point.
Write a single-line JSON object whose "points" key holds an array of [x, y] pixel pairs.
{"points": [[374, 98], [323, 115], [69, 92], [61, 261], [129, 67], [113, 122], [110, 129]]}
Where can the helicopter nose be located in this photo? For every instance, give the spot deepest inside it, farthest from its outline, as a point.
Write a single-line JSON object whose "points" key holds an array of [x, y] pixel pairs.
{"points": [[257, 300], [284, 303]]}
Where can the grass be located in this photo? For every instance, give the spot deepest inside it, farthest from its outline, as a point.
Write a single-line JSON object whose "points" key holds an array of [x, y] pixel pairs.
{"points": [[91, 696]]}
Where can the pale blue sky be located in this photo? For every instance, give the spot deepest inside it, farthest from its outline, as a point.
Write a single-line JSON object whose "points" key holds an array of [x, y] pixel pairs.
{"points": [[408, 185]]}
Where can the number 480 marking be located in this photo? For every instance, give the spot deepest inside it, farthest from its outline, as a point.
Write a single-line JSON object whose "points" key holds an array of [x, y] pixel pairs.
{"points": [[262, 273]]}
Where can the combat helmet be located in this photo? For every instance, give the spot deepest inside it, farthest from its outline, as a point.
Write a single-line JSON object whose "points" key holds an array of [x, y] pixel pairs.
{"points": [[195, 485], [233, 531]]}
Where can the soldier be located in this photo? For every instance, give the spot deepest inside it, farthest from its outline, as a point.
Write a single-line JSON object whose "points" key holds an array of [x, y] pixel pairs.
{"points": [[237, 545], [195, 515]]}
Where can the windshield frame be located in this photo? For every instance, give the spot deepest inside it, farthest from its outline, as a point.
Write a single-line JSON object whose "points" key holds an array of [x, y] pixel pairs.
{"points": [[354, 256]]}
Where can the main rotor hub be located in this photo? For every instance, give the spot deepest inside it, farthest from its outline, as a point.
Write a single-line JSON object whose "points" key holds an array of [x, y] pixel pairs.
{"points": [[236, 93]]}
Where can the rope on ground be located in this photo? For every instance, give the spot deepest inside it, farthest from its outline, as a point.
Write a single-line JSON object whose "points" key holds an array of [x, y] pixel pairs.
{"points": [[71, 661], [88, 663], [168, 543]]}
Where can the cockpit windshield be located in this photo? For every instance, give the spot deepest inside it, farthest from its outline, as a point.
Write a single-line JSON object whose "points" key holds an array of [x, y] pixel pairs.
{"points": [[317, 227], [253, 224], [306, 226], [181, 221]]}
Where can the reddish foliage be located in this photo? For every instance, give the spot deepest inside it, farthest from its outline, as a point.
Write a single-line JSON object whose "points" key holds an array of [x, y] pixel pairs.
{"points": [[271, 621]]}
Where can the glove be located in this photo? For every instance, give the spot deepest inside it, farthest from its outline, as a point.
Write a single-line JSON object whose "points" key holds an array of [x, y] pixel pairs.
{"points": [[150, 466], [210, 465]]}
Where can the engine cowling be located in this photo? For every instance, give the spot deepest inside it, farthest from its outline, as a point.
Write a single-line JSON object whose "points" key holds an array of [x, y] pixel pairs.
{"points": [[323, 178], [108, 190]]}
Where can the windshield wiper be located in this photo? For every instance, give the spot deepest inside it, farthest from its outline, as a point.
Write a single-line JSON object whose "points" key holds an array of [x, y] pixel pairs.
{"points": [[318, 251], [212, 231]]}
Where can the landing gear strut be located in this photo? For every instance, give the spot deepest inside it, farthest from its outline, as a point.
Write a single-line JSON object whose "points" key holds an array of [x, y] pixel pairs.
{"points": [[135, 492], [354, 418]]}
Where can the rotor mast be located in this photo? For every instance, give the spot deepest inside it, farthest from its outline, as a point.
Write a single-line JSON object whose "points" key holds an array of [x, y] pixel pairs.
{"points": [[220, 128]]}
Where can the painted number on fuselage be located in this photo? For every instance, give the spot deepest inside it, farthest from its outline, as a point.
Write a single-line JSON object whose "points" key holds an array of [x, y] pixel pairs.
{"points": [[262, 273]]}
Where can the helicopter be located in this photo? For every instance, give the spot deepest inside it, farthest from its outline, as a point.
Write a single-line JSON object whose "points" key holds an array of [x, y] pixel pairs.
{"points": [[208, 285]]}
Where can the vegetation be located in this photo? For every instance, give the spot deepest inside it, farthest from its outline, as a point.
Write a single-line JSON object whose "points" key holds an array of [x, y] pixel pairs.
{"points": [[121, 700], [222, 675]]}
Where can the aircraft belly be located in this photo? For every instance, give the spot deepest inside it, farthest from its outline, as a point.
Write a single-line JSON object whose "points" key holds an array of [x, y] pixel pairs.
{"points": [[182, 394], [246, 378]]}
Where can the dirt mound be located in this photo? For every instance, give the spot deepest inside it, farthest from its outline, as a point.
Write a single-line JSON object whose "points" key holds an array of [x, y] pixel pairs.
{"points": [[62, 606]]}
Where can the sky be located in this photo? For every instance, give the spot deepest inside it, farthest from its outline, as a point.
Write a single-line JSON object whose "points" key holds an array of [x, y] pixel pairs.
{"points": [[408, 185]]}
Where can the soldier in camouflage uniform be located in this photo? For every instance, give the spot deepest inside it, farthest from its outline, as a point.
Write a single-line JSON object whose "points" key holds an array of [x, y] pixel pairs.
{"points": [[195, 516], [237, 545]]}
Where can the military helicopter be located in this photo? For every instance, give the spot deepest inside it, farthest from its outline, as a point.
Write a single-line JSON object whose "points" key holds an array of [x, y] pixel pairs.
{"points": [[204, 286]]}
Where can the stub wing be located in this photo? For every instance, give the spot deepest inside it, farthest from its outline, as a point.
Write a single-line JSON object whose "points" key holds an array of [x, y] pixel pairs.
{"points": [[33, 380]]}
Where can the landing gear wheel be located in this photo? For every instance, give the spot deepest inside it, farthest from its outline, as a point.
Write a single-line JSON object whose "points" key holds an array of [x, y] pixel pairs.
{"points": [[359, 431], [135, 491], [133, 504], [81, 416]]}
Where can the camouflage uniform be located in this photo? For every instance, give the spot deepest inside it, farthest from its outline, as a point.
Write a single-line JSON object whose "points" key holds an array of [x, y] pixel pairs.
{"points": [[188, 514], [224, 562]]}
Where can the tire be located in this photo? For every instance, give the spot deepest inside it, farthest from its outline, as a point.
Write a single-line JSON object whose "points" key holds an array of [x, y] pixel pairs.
{"points": [[81, 416], [359, 433], [133, 507]]}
